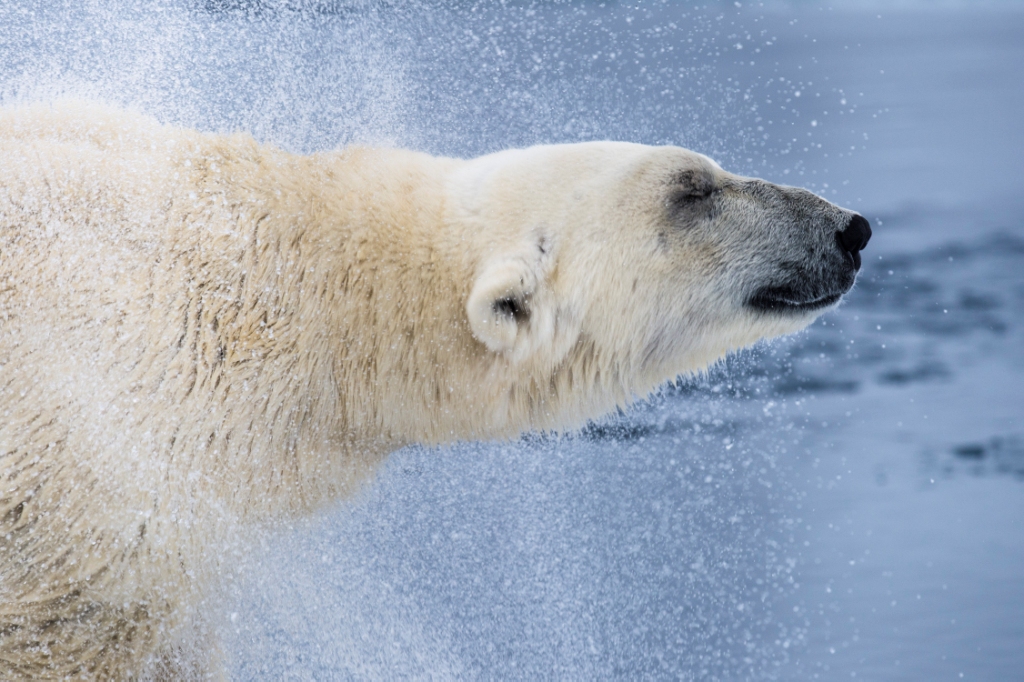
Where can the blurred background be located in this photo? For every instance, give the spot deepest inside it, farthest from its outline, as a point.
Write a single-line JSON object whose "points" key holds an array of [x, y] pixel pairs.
{"points": [[845, 503]]}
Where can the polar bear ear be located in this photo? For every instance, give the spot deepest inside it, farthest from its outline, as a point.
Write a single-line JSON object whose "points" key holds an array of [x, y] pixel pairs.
{"points": [[501, 304]]}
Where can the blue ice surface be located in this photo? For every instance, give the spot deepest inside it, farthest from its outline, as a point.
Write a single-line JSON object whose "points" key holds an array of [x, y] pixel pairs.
{"points": [[844, 503]]}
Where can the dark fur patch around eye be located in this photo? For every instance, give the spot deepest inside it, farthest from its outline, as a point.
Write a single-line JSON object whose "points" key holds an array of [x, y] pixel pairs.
{"points": [[696, 182], [690, 186], [689, 192]]}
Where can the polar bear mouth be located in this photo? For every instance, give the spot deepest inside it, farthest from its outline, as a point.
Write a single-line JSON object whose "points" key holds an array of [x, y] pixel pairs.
{"points": [[787, 299]]}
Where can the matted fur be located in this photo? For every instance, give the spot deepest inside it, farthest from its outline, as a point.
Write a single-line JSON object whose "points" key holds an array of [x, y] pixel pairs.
{"points": [[200, 335]]}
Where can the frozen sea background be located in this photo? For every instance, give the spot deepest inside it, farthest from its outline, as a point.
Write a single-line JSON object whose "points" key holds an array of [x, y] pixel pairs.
{"points": [[845, 503]]}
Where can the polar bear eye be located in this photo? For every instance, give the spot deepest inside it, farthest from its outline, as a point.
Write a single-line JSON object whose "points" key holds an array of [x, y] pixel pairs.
{"points": [[694, 194], [689, 191]]}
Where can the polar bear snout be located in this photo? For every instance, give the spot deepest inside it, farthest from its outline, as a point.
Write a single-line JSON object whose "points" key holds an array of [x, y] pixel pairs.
{"points": [[820, 266], [854, 238]]}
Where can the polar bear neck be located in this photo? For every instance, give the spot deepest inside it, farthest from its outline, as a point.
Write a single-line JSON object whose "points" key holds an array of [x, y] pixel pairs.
{"points": [[387, 357], [342, 320], [373, 327]]}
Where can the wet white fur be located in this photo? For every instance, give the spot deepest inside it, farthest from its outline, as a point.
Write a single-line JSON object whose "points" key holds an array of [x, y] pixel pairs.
{"points": [[200, 336]]}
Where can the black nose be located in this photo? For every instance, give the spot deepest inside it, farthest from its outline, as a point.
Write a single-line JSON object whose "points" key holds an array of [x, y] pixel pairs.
{"points": [[855, 237]]}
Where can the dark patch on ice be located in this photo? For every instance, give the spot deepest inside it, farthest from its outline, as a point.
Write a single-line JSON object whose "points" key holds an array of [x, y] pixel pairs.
{"points": [[970, 451], [923, 371], [971, 300], [1001, 455], [793, 385]]}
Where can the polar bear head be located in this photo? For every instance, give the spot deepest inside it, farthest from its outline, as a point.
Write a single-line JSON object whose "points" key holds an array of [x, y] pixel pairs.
{"points": [[620, 266]]}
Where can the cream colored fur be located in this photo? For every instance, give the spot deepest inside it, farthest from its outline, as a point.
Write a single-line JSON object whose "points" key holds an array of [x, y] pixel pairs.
{"points": [[200, 336]]}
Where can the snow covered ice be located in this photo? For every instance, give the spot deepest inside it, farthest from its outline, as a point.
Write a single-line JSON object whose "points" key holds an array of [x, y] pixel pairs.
{"points": [[843, 503]]}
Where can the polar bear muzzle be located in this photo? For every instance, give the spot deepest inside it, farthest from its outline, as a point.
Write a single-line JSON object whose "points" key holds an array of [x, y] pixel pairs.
{"points": [[819, 260]]}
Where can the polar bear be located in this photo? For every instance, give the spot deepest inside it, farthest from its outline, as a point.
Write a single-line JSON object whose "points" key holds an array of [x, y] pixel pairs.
{"points": [[201, 336]]}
